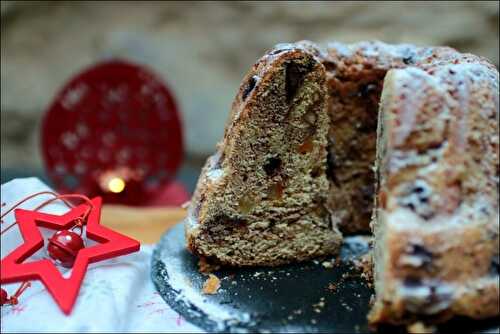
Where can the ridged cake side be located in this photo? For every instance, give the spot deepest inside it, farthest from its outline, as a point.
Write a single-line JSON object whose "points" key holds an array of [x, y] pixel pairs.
{"points": [[436, 220]]}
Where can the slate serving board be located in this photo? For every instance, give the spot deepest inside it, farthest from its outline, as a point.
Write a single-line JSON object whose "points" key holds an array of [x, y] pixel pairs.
{"points": [[292, 298]]}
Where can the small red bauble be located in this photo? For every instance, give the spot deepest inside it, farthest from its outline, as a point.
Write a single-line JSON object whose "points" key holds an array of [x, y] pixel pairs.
{"points": [[4, 299], [64, 246]]}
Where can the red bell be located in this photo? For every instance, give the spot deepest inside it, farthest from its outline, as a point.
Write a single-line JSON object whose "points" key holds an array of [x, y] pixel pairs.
{"points": [[4, 299], [64, 246]]}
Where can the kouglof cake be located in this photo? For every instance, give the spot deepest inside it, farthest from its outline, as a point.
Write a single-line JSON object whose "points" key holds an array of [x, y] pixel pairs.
{"points": [[395, 140]]}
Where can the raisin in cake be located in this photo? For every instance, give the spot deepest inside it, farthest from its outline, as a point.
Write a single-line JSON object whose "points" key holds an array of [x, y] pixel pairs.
{"points": [[319, 137]]}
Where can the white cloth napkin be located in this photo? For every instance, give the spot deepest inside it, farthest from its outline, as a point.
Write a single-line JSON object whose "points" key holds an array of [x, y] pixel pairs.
{"points": [[117, 295]]}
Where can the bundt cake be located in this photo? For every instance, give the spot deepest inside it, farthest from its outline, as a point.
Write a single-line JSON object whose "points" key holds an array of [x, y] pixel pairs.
{"points": [[327, 139]]}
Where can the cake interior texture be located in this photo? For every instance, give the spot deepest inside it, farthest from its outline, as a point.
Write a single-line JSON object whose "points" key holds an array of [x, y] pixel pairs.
{"points": [[354, 94], [395, 140], [263, 195]]}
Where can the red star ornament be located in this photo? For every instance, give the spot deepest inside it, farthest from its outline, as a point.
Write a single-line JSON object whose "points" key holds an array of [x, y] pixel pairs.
{"points": [[63, 290]]}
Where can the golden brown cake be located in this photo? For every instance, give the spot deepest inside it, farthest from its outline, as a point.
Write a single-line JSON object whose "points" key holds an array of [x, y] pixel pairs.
{"points": [[319, 137]]}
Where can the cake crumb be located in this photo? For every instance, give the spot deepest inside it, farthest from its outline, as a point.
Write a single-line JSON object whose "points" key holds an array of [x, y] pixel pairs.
{"points": [[365, 265], [211, 285], [319, 305], [420, 327], [327, 264]]}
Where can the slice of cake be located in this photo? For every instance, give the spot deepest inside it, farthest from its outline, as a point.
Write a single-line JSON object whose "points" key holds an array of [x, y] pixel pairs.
{"points": [[261, 198]]}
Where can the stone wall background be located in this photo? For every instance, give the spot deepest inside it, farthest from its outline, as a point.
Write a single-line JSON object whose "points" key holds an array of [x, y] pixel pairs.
{"points": [[202, 50]]}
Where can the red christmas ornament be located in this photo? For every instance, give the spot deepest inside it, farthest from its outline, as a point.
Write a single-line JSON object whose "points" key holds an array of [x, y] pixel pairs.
{"points": [[63, 290], [3, 297], [113, 131], [64, 246]]}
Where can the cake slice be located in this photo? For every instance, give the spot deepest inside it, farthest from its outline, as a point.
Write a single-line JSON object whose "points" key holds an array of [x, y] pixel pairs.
{"points": [[260, 200]]}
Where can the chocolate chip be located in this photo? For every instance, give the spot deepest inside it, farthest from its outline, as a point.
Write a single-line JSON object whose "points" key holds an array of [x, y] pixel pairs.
{"points": [[435, 146], [418, 190], [421, 253], [417, 197], [411, 206], [272, 166], [485, 211], [249, 86], [367, 90], [412, 282], [422, 190], [427, 298], [409, 58], [330, 65], [294, 76], [315, 172]]}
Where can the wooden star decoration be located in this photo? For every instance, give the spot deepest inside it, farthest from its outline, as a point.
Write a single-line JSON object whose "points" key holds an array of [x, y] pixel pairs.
{"points": [[63, 290]]}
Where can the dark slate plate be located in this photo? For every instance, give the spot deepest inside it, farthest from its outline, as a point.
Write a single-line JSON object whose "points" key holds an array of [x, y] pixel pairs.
{"points": [[292, 298]]}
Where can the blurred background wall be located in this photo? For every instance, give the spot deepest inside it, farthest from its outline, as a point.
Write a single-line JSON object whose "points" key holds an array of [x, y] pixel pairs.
{"points": [[202, 50]]}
